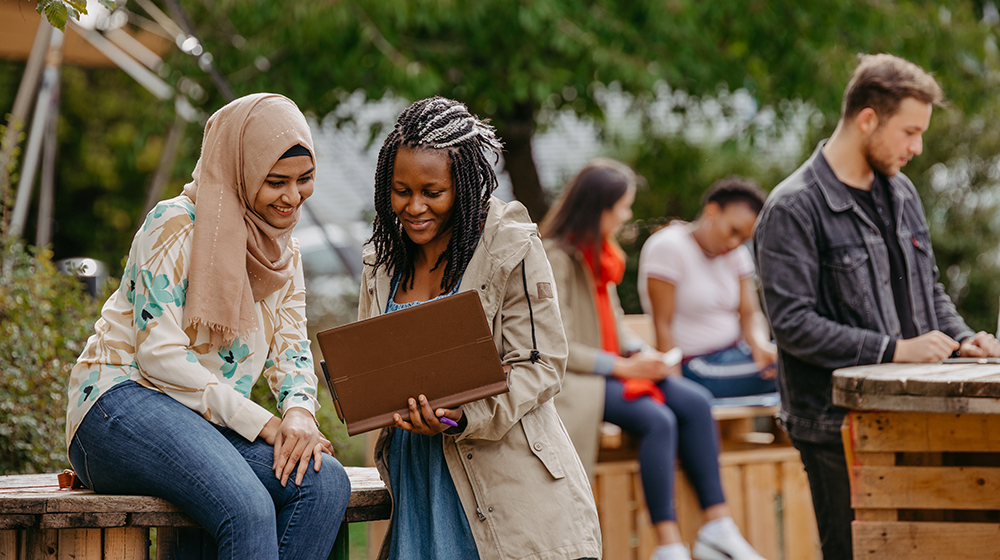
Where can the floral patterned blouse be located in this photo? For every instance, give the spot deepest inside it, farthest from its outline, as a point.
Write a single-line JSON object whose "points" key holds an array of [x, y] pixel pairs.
{"points": [[140, 337]]}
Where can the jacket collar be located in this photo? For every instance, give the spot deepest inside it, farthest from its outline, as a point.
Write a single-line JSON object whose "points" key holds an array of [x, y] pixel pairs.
{"points": [[505, 241], [836, 193]]}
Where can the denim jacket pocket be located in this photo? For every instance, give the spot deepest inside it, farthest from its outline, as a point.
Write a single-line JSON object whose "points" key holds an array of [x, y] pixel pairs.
{"points": [[848, 268], [924, 257]]}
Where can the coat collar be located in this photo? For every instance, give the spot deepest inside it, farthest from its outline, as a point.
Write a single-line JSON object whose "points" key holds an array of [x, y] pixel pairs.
{"points": [[505, 241], [836, 193]]}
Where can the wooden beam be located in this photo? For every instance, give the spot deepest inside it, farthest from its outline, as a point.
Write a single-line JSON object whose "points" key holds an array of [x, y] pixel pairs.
{"points": [[19, 21]]}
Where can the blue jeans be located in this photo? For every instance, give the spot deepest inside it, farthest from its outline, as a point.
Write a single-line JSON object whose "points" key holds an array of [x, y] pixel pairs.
{"points": [[140, 441], [730, 372], [682, 427]]}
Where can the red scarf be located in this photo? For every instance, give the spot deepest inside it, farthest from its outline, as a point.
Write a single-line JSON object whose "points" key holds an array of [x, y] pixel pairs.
{"points": [[611, 272]]}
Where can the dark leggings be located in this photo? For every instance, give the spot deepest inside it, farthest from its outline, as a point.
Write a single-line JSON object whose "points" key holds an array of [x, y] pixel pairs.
{"points": [[685, 423]]}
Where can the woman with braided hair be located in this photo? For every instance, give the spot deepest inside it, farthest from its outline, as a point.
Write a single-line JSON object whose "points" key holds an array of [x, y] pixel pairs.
{"points": [[495, 478]]}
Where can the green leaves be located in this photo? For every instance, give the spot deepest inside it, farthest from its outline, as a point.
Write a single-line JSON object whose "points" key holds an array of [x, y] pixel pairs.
{"points": [[45, 318]]}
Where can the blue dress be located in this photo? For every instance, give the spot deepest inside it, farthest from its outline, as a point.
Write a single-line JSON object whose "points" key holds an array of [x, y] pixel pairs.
{"points": [[433, 524]]}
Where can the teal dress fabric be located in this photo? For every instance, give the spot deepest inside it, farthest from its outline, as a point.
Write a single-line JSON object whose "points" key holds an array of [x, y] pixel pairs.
{"points": [[429, 521]]}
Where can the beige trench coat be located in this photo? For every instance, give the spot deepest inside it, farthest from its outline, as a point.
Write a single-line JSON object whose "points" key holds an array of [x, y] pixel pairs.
{"points": [[581, 401], [523, 488]]}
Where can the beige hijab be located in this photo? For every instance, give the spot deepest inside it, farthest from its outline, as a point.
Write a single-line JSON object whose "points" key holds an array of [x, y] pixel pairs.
{"points": [[237, 258]]}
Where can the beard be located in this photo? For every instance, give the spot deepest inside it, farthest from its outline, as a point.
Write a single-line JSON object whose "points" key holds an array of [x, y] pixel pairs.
{"points": [[878, 157]]}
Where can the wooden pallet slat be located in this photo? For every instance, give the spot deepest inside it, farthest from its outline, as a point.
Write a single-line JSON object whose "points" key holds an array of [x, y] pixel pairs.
{"points": [[967, 488], [761, 489], [126, 543], [79, 543], [8, 545], [925, 541]]}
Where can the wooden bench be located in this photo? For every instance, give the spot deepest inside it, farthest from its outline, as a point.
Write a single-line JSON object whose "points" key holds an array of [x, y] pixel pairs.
{"points": [[38, 520], [762, 475]]}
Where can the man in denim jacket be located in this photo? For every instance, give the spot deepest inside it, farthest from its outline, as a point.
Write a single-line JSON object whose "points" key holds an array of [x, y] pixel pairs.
{"points": [[848, 273]]}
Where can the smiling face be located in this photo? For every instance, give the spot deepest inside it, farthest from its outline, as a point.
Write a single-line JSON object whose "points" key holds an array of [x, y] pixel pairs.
{"points": [[899, 138], [423, 194], [286, 186]]}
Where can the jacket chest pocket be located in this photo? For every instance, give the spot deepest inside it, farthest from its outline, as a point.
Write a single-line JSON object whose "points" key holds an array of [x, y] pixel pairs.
{"points": [[923, 257], [850, 286]]}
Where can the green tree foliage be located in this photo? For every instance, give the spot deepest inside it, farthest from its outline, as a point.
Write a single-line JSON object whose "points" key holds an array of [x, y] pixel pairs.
{"points": [[58, 12], [45, 318], [111, 134]]}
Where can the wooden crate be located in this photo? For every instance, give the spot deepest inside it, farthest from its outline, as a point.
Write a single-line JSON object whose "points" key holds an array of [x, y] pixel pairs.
{"points": [[924, 485], [766, 489]]}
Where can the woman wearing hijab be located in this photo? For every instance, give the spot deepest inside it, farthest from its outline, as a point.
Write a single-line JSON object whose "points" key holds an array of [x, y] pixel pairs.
{"points": [[211, 299]]}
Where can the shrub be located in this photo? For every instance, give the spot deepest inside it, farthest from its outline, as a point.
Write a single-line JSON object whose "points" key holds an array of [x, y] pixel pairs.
{"points": [[45, 319]]}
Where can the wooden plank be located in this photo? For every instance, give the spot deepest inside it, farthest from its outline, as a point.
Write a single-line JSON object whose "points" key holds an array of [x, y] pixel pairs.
{"points": [[778, 454], [972, 381], [644, 529], [160, 519], [41, 545], [18, 521], [82, 519], [615, 514], [904, 403], [971, 488], [79, 543], [688, 509], [8, 545], [801, 538], [925, 541], [876, 514], [166, 543], [126, 543], [722, 413], [924, 432], [732, 486], [761, 490]]}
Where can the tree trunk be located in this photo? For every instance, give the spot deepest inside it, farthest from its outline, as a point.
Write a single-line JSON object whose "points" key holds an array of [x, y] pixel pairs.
{"points": [[520, 165]]}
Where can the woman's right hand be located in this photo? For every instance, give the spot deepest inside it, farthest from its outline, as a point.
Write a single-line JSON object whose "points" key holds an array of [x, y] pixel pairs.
{"points": [[644, 365]]}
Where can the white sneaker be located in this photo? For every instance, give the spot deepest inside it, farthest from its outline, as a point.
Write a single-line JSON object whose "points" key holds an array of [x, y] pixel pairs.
{"points": [[677, 551], [729, 545]]}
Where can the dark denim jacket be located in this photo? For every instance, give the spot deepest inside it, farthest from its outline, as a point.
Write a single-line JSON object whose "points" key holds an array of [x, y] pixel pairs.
{"points": [[824, 269]]}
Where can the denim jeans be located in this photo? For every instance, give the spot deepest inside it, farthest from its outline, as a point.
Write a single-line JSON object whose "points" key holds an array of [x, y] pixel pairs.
{"points": [[140, 441], [826, 467], [730, 372], [684, 428]]}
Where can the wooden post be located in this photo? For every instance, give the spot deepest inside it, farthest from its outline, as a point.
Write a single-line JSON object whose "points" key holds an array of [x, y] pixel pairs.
{"points": [[25, 93]]}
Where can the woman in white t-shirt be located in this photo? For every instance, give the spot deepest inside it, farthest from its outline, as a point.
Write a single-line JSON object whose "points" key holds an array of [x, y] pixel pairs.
{"points": [[697, 281]]}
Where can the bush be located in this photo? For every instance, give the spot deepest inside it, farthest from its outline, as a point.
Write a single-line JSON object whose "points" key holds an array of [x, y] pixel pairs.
{"points": [[45, 319]]}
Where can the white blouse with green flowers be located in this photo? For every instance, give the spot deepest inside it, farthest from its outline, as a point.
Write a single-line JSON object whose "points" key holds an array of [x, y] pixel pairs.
{"points": [[140, 337]]}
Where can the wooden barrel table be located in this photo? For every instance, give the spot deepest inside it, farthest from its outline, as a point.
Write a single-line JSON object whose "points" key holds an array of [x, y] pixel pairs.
{"points": [[923, 452]]}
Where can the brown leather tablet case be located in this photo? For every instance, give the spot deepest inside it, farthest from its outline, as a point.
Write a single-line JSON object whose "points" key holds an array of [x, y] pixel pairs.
{"points": [[442, 349]]}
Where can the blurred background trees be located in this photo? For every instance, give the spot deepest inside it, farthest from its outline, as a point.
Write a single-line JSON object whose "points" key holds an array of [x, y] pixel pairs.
{"points": [[686, 92]]}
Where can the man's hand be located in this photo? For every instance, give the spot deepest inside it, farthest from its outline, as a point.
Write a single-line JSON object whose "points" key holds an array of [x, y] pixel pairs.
{"points": [[982, 345], [926, 348]]}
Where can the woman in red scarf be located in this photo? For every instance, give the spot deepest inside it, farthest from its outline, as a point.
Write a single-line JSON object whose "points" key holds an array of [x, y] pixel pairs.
{"points": [[610, 379]]}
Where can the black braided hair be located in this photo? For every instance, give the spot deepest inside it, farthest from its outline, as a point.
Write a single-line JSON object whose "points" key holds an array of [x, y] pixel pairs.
{"points": [[441, 124]]}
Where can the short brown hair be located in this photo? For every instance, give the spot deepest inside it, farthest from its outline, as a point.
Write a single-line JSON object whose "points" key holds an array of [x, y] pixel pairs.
{"points": [[883, 81]]}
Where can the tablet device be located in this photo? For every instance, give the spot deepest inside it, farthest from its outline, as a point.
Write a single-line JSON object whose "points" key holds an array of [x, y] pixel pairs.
{"points": [[442, 349]]}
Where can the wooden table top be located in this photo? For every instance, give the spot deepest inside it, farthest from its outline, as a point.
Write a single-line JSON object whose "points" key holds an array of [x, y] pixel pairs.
{"points": [[936, 388], [35, 500]]}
